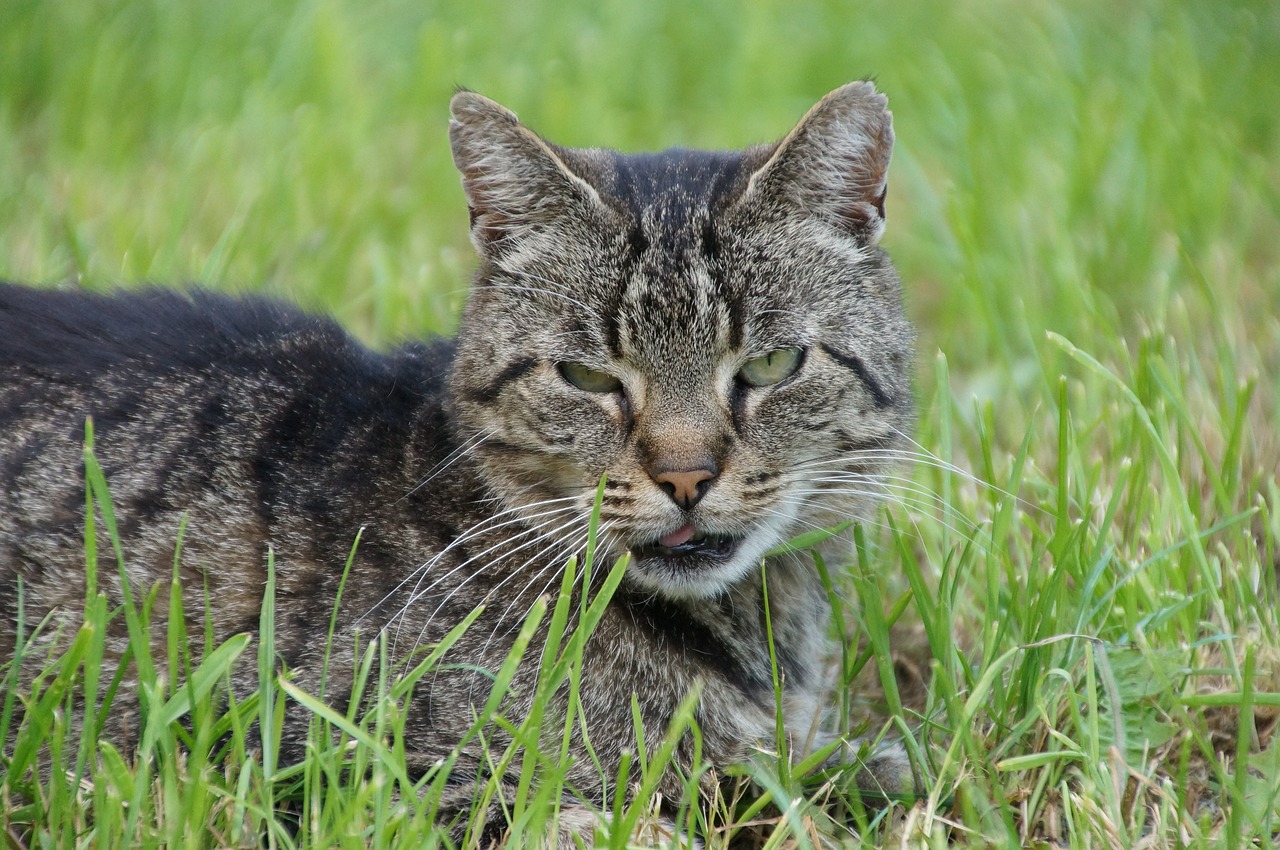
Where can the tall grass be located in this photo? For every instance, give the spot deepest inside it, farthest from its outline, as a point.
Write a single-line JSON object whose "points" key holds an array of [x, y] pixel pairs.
{"points": [[1071, 618]]}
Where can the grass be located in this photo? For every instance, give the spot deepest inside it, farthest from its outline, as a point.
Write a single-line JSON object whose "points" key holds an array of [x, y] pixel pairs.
{"points": [[1072, 621]]}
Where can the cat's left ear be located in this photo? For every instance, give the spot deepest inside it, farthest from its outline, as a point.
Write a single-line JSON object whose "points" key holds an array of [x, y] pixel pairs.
{"points": [[835, 163], [516, 183]]}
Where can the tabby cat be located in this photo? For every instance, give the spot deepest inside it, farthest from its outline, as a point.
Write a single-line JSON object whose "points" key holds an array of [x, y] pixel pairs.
{"points": [[716, 335]]}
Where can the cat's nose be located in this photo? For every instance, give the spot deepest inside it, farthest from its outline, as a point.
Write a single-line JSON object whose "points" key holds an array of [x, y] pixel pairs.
{"points": [[686, 487]]}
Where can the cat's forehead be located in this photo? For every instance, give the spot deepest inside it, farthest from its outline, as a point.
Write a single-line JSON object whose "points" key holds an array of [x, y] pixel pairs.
{"points": [[671, 302], [670, 188], [687, 277]]}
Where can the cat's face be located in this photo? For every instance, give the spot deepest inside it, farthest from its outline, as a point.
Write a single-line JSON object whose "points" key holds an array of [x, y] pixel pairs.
{"points": [[717, 334]]}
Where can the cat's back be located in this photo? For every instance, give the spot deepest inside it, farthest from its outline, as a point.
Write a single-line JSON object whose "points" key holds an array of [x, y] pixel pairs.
{"points": [[198, 365], [245, 413], [71, 337]]}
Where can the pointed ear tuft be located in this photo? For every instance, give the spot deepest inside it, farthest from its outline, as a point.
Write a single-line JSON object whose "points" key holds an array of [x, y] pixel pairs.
{"points": [[515, 182], [834, 165]]}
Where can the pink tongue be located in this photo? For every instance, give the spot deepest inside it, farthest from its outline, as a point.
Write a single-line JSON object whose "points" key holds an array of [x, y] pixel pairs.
{"points": [[683, 534]]}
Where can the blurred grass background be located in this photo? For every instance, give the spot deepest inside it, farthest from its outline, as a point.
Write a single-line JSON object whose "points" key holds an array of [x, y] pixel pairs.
{"points": [[1106, 172], [1060, 165], [1103, 171]]}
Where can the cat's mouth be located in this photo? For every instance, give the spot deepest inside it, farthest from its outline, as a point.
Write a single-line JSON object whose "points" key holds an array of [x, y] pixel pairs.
{"points": [[688, 542]]}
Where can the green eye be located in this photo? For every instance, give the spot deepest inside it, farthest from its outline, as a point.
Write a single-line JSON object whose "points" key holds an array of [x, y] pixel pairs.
{"points": [[771, 368], [589, 380]]}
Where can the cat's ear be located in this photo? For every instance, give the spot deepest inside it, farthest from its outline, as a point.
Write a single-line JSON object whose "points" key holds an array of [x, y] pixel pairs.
{"points": [[515, 182], [835, 163]]}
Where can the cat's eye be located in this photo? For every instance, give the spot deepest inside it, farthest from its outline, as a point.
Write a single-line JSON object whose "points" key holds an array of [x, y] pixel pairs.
{"points": [[771, 368], [589, 380]]}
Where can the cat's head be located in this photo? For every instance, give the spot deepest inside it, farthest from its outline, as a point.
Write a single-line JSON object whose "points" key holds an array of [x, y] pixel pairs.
{"points": [[717, 333]]}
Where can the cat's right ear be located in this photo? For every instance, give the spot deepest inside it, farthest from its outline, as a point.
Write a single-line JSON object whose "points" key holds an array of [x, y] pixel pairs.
{"points": [[515, 182]]}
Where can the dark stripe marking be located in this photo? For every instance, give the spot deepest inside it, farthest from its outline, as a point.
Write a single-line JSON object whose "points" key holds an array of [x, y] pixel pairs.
{"points": [[512, 371], [853, 362], [849, 444]]}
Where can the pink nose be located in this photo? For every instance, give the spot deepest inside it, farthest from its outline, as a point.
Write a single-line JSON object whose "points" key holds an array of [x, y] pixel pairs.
{"points": [[685, 487]]}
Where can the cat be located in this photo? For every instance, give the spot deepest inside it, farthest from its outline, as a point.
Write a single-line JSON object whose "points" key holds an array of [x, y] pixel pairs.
{"points": [[717, 335]]}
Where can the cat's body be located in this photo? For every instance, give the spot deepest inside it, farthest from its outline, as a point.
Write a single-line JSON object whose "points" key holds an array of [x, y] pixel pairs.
{"points": [[717, 334]]}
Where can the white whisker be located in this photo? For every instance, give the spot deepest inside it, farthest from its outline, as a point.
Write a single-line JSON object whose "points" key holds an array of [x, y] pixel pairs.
{"points": [[485, 526], [540, 291], [487, 566], [554, 563], [449, 460]]}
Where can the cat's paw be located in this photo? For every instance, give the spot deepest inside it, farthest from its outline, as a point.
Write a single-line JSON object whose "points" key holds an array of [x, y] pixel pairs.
{"points": [[573, 825], [577, 826], [884, 772]]}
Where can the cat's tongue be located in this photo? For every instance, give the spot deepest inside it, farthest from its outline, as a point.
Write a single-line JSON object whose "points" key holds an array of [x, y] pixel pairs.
{"points": [[679, 537]]}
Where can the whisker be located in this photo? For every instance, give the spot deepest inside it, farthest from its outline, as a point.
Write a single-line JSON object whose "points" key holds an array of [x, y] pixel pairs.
{"points": [[420, 592], [486, 566], [557, 539], [482, 527], [575, 540], [540, 291], [885, 484], [808, 525], [950, 467], [887, 456], [923, 502], [920, 503], [420, 573], [834, 463], [449, 460], [889, 483], [897, 484]]}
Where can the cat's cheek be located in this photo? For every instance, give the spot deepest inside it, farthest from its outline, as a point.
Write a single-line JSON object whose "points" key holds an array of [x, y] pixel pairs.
{"points": [[795, 415], [582, 433]]}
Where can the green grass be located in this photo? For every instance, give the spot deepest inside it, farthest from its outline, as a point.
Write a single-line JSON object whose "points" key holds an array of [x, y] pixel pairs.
{"points": [[1085, 208]]}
